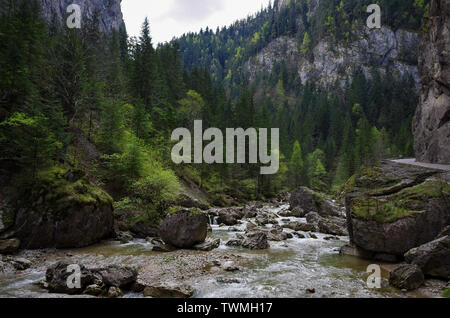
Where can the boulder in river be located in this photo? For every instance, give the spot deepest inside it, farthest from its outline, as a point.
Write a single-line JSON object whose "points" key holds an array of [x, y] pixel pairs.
{"points": [[394, 208], [118, 276], [65, 212], [58, 275], [408, 277], [208, 245], [255, 241], [433, 258], [184, 229], [312, 201], [230, 216]]}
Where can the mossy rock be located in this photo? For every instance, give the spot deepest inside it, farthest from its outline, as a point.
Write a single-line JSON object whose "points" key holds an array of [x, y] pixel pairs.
{"points": [[63, 211]]}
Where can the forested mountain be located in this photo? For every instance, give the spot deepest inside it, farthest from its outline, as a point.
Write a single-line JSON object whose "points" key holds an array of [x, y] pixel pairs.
{"points": [[345, 92], [86, 114]]}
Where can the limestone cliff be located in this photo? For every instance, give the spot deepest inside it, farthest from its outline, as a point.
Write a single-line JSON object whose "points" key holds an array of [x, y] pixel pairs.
{"points": [[432, 122], [109, 11]]}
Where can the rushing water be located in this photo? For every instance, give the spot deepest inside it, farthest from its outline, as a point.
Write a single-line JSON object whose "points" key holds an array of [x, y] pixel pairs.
{"points": [[287, 269]]}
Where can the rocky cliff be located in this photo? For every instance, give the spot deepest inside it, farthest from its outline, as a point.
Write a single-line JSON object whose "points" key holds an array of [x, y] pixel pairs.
{"points": [[386, 50], [109, 11], [432, 122]]}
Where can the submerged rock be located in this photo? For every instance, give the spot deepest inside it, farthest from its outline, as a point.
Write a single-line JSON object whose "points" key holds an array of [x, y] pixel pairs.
{"points": [[408, 277], [184, 229], [208, 245], [433, 258]]}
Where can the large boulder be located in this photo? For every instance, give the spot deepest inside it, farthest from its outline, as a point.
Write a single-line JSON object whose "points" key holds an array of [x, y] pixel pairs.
{"points": [[395, 208], [432, 120], [330, 225], [407, 277], [59, 275], [184, 229], [118, 276], [433, 258], [255, 241], [64, 212], [230, 216], [312, 201]]}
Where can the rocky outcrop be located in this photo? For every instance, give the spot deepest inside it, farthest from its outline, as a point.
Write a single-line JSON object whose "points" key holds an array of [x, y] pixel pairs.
{"points": [[184, 229], [312, 201], [406, 277], [395, 208], [109, 12], [433, 258], [384, 49], [65, 212], [107, 282], [432, 121]]}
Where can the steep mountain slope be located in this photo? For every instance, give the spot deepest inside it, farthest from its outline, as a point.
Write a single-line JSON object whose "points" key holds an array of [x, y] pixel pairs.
{"points": [[432, 121], [322, 41]]}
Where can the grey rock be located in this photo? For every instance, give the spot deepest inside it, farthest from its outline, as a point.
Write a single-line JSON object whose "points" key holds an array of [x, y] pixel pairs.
{"points": [[114, 292], [433, 258], [255, 241], [184, 229], [118, 276], [57, 276], [407, 277], [93, 290], [208, 245]]}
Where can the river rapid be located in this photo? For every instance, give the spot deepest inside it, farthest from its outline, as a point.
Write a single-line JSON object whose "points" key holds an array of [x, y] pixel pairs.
{"points": [[295, 268]]}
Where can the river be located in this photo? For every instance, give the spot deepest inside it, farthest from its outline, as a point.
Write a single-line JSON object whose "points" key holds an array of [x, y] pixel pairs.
{"points": [[287, 269]]}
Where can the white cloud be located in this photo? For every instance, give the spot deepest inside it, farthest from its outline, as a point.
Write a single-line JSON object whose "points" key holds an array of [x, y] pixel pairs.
{"points": [[171, 18]]}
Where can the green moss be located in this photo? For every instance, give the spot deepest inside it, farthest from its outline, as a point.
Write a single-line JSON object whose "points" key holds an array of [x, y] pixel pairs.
{"points": [[406, 203], [446, 293], [55, 191], [380, 211]]}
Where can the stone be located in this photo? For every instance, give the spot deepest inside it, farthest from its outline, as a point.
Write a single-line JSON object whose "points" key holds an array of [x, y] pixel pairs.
{"points": [[255, 241], [118, 276], [297, 212], [230, 266], [21, 264], [299, 226], [208, 245], [184, 229], [230, 216], [93, 290], [168, 290], [114, 292], [160, 246], [57, 276], [407, 277], [9, 246], [124, 237], [313, 201], [224, 280], [355, 251], [433, 258]]}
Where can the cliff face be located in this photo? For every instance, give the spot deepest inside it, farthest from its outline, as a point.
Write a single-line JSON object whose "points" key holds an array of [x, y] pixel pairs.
{"points": [[109, 12], [384, 49], [432, 122]]}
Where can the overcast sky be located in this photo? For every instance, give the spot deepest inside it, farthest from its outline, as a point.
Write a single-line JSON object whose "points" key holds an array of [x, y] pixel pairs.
{"points": [[169, 18]]}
